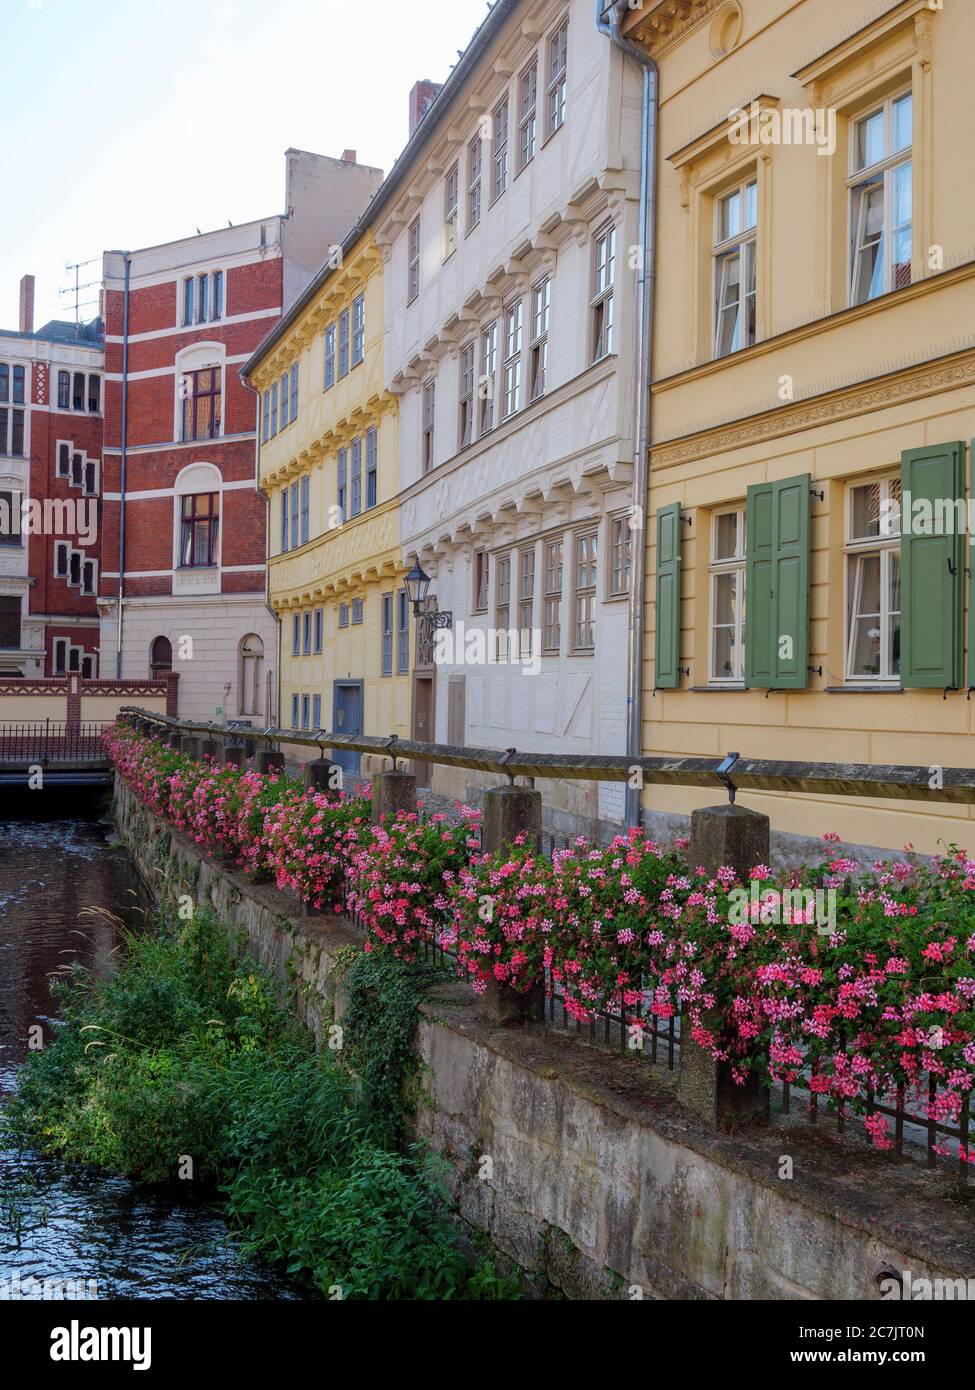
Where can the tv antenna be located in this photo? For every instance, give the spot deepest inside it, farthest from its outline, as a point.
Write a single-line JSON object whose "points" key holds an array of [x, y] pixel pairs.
{"points": [[76, 289]]}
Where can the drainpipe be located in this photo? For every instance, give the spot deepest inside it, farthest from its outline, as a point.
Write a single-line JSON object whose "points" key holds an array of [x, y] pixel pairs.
{"points": [[268, 522], [124, 446], [608, 20]]}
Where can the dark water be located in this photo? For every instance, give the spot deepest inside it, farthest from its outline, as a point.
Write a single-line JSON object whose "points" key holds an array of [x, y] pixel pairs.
{"points": [[64, 1223]]}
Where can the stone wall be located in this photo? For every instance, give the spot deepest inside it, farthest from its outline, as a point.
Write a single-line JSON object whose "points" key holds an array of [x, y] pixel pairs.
{"points": [[580, 1164]]}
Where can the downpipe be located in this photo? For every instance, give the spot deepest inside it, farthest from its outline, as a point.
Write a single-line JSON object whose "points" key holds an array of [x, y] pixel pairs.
{"points": [[608, 23]]}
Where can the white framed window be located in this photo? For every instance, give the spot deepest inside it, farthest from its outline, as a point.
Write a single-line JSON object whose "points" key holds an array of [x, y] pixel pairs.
{"points": [[386, 649], [558, 50], [344, 343], [499, 176], [294, 391], [881, 199], [513, 333], [481, 572], [552, 637], [451, 199], [465, 426], [601, 305], [429, 421], [502, 604], [413, 268], [475, 162], [358, 330], [734, 251], [487, 384], [621, 555], [528, 114], [726, 654], [356, 612], [330, 356], [873, 581], [319, 630], [584, 630], [203, 298], [541, 304], [343, 615]]}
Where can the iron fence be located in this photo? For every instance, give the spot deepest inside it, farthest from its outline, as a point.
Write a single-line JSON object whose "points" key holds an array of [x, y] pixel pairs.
{"points": [[50, 741]]}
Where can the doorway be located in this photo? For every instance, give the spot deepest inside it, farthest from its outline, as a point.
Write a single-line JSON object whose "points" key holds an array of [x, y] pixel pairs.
{"points": [[424, 722], [347, 720]]}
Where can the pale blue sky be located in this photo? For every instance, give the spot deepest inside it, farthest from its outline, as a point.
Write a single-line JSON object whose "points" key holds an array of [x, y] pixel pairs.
{"points": [[132, 122]]}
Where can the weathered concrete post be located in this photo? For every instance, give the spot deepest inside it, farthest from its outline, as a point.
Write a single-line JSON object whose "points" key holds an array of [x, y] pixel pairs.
{"points": [[392, 792], [189, 745], [233, 754], [209, 747], [734, 836], [323, 776], [508, 813], [174, 738], [270, 760]]}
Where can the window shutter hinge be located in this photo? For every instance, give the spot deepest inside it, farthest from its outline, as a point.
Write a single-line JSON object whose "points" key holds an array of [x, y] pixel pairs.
{"points": [[821, 495], [684, 671], [815, 671], [952, 568], [952, 688]]}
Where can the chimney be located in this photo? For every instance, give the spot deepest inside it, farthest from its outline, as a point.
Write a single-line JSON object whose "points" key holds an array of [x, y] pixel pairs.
{"points": [[349, 157], [27, 304], [422, 98]]}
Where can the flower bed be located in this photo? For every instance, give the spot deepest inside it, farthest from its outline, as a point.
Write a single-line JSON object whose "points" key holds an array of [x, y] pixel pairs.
{"points": [[861, 984]]}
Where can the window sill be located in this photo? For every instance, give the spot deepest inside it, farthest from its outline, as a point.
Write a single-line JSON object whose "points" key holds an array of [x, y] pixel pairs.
{"points": [[717, 689], [877, 689]]}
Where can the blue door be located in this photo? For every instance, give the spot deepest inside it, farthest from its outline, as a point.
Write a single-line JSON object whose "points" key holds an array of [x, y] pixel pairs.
{"points": [[348, 721]]}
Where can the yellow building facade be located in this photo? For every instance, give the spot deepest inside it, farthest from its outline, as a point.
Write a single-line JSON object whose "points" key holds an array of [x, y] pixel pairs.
{"points": [[328, 464], [813, 363]]}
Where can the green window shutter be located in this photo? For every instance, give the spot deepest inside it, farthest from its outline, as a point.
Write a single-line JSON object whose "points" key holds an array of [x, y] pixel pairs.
{"points": [[667, 654], [777, 585], [932, 568]]}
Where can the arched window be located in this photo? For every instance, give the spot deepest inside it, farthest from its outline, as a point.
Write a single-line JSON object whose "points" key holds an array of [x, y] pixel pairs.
{"points": [[251, 674], [160, 657]]}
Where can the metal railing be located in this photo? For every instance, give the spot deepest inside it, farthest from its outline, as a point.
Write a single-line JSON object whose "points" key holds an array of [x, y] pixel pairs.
{"points": [[50, 741]]}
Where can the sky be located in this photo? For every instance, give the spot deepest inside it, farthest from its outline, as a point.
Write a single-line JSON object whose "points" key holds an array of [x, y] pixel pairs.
{"points": [[127, 123]]}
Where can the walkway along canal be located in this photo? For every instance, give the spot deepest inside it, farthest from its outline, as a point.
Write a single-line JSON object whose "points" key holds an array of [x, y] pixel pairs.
{"points": [[60, 1223]]}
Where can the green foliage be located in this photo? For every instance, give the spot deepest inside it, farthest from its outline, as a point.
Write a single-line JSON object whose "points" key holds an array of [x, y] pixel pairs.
{"points": [[185, 1051]]}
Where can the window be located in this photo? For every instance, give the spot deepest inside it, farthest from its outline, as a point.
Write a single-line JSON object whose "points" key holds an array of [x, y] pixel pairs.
{"points": [[873, 581], [10, 623], [200, 529], [357, 612], [402, 632], [585, 593], [387, 635], [266, 418], [513, 321], [11, 431], [296, 635], [474, 166], [481, 570], [94, 394], [429, 414], [489, 368], [319, 630], [502, 605], [284, 521], [330, 356], [203, 298], [77, 388], [295, 515], [91, 477], [372, 467], [558, 48], [251, 674], [552, 640], [64, 460], [344, 343], [343, 491], [294, 711], [64, 389], [62, 555], [413, 270], [9, 518], [77, 469], [74, 569], [358, 330], [880, 186], [500, 175], [217, 294], [294, 390], [526, 600], [527, 115], [305, 711], [89, 577], [316, 712], [189, 287], [60, 656], [201, 404], [305, 509], [204, 286], [465, 428], [306, 634], [451, 198], [736, 220], [538, 351], [727, 644], [343, 615], [356, 492], [604, 274], [621, 544], [285, 381], [19, 381]]}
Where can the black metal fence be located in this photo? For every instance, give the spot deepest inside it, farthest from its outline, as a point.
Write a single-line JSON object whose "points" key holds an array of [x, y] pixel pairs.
{"points": [[51, 741]]}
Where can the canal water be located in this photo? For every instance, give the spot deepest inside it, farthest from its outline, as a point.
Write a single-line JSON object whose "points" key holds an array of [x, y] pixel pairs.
{"points": [[59, 1222]]}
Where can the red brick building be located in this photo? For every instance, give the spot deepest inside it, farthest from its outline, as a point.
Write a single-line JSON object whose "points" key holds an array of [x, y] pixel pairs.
{"points": [[183, 574], [51, 426]]}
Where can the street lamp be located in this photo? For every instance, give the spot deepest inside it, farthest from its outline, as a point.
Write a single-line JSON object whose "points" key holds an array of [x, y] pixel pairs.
{"points": [[417, 584]]}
